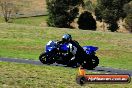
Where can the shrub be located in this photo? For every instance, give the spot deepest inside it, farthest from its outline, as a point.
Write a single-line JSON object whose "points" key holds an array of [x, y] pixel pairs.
{"points": [[86, 21]]}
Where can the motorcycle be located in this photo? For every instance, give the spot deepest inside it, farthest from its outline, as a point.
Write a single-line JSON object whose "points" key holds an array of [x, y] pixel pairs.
{"points": [[60, 54]]}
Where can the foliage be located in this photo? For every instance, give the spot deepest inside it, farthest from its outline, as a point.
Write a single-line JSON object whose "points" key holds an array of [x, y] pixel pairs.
{"points": [[128, 8], [90, 6], [110, 11], [128, 20], [62, 12]]}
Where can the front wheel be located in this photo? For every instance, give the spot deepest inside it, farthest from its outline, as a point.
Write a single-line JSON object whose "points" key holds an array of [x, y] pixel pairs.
{"points": [[45, 59]]}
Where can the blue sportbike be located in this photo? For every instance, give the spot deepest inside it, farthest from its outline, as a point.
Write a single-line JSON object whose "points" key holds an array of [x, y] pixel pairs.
{"points": [[61, 54]]}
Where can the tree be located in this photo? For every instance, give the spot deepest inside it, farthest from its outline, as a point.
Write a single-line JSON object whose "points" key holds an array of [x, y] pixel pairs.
{"points": [[7, 9], [128, 8], [128, 19], [110, 11], [128, 22], [62, 12], [90, 6]]}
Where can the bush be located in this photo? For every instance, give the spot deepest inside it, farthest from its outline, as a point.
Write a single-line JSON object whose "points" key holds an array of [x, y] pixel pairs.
{"points": [[86, 21]]}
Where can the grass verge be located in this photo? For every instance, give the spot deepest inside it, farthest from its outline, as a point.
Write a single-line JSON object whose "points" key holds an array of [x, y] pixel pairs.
{"points": [[20, 41], [14, 75]]}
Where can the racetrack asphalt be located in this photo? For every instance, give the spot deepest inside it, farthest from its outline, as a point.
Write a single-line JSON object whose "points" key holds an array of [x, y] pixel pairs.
{"points": [[100, 69]]}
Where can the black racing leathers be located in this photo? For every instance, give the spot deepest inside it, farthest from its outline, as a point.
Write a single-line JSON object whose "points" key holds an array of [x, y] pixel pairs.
{"points": [[80, 55]]}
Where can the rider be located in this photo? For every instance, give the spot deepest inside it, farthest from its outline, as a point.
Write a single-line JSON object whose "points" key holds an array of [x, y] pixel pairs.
{"points": [[74, 46]]}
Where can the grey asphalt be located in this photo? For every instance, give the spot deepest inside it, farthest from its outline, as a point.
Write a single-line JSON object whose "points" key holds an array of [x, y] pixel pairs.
{"points": [[101, 69]]}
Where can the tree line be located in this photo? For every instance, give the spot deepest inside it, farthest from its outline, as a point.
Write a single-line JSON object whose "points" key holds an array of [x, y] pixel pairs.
{"points": [[63, 12]]}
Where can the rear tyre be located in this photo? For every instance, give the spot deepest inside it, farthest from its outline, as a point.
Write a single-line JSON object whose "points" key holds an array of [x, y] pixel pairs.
{"points": [[88, 65], [91, 63], [95, 61]]}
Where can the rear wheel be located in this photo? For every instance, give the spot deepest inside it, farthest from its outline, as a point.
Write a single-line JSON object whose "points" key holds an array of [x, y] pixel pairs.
{"points": [[95, 61], [88, 65], [91, 63]]}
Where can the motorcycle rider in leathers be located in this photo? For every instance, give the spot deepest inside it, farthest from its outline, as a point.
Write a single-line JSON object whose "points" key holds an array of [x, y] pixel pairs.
{"points": [[78, 52]]}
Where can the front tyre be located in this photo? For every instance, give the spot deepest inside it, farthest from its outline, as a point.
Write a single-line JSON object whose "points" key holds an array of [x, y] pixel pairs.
{"points": [[45, 59]]}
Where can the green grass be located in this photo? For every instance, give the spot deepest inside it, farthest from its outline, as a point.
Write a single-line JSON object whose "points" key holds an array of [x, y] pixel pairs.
{"points": [[34, 21], [20, 41], [14, 75], [2, 20]]}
